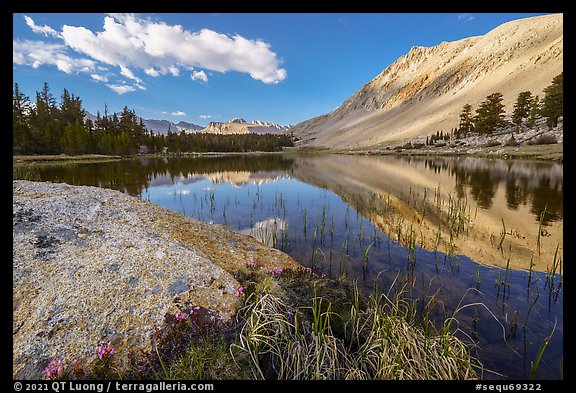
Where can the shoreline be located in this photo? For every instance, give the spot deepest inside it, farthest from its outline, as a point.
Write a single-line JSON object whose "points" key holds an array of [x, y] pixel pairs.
{"points": [[552, 152], [29, 159]]}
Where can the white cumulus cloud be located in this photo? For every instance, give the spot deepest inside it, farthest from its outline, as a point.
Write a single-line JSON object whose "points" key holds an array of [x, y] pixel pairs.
{"points": [[199, 75], [204, 117], [99, 78], [125, 71], [37, 53], [46, 30], [179, 113], [152, 72], [174, 70], [159, 48], [121, 89], [140, 46]]}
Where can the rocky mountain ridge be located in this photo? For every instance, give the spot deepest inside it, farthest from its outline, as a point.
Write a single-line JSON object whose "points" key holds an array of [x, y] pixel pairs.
{"points": [[241, 126], [424, 91]]}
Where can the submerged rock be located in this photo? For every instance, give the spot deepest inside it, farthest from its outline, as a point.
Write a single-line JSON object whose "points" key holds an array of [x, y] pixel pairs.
{"points": [[92, 265]]}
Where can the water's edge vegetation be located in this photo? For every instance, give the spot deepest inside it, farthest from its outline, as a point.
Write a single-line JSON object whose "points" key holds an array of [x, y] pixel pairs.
{"points": [[296, 324]]}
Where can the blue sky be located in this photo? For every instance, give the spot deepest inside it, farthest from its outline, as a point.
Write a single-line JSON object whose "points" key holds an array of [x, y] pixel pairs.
{"points": [[283, 68]]}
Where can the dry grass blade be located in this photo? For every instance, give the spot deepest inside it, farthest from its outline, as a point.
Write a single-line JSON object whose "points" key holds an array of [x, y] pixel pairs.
{"points": [[381, 341]]}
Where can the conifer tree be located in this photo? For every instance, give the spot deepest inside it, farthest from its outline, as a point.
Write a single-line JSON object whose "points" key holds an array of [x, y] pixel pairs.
{"points": [[43, 123], [553, 101], [522, 108], [465, 120], [534, 111], [490, 114], [20, 120], [71, 109]]}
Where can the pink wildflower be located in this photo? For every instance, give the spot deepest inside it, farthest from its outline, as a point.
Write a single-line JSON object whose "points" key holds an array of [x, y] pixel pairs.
{"points": [[308, 270], [322, 275], [54, 369], [105, 350], [250, 263], [194, 310], [239, 291], [180, 316], [276, 271]]}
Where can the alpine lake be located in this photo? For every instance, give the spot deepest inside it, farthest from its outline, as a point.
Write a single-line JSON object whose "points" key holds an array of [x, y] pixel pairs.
{"points": [[474, 239]]}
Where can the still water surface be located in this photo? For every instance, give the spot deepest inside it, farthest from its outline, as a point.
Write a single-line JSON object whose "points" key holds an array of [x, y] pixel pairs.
{"points": [[462, 231]]}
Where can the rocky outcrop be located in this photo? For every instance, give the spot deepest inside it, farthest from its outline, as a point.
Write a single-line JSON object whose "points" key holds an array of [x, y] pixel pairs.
{"points": [[424, 91], [226, 128], [508, 135], [92, 265], [241, 126]]}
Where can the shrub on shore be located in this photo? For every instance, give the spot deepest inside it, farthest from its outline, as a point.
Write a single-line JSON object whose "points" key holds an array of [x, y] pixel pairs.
{"points": [[512, 142], [544, 139]]}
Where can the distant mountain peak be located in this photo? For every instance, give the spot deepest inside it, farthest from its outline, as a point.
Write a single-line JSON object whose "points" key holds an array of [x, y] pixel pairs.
{"points": [[237, 120], [238, 125]]}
